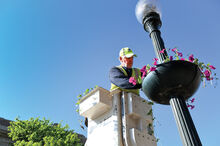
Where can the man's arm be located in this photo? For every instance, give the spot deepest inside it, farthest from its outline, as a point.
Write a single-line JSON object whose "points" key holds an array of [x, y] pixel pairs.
{"points": [[118, 78]]}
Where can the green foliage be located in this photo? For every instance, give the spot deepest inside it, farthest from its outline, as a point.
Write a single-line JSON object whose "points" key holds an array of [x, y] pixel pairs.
{"points": [[148, 67], [86, 92], [150, 129], [36, 132], [150, 112], [79, 97], [150, 103]]}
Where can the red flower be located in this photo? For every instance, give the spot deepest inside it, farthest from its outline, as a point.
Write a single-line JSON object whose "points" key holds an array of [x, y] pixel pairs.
{"points": [[191, 58], [155, 63], [182, 59], [132, 80], [212, 67], [162, 51]]}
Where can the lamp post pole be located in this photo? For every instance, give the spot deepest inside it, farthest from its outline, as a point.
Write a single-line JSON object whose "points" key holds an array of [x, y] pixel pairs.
{"points": [[152, 24], [187, 130], [184, 122]]}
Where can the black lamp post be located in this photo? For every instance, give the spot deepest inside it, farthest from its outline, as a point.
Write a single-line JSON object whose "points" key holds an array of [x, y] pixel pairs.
{"points": [[172, 82]]}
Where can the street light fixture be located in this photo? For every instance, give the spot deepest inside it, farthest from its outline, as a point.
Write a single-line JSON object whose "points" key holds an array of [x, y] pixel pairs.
{"points": [[148, 14], [173, 82]]}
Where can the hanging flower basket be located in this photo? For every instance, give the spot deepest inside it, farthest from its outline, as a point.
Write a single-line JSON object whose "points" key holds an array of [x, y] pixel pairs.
{"points": [[174, 78]]}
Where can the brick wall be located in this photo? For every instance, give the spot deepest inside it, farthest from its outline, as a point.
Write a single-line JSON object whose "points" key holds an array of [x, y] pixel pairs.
{"points": [[4, 139]]}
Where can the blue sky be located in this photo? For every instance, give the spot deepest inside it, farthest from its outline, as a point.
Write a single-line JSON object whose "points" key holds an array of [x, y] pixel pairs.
{"points": [[51, 51]]}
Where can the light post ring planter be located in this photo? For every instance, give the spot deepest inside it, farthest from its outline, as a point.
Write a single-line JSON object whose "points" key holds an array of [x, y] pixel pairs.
{"points": [[172, 79]]}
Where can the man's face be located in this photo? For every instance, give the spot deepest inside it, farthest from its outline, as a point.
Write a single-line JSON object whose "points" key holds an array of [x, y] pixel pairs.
{"points": [[126, 62]]}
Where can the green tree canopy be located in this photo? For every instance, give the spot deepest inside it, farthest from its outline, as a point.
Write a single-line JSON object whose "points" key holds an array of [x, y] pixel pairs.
{"points": [[36, 132]]}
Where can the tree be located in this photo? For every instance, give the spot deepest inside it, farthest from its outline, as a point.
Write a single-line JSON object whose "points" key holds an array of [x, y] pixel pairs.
{"points": [[36, 132]]}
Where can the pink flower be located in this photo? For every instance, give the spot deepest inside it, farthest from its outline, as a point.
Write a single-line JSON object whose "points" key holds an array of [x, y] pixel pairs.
{"points": [[132, 80], [182, 59], [155, 59], [144, 74], [162, 51], [143, 69], [212, 67], [179, 54], [174, 49], [191, 106], [171, 58], [152, 68], [207, 73], [192, 100], [208, 78], [191, 58]]}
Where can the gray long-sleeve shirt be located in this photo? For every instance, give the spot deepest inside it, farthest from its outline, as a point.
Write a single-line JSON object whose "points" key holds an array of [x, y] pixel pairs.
{"points": [[118, 78]]}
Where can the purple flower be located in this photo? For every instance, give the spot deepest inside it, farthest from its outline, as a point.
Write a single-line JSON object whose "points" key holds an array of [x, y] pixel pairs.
{"points": [[183, 59], [162, 51], [212, 67], [191, 106], [143, 69], [179, 54], [171, 58], [192, 100], [152, 68], [191, 58], [132, 80], [174, 49]]}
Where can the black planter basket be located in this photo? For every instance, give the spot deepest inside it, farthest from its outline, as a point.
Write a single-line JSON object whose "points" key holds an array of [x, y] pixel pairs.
{"points": [[172, 79]]}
